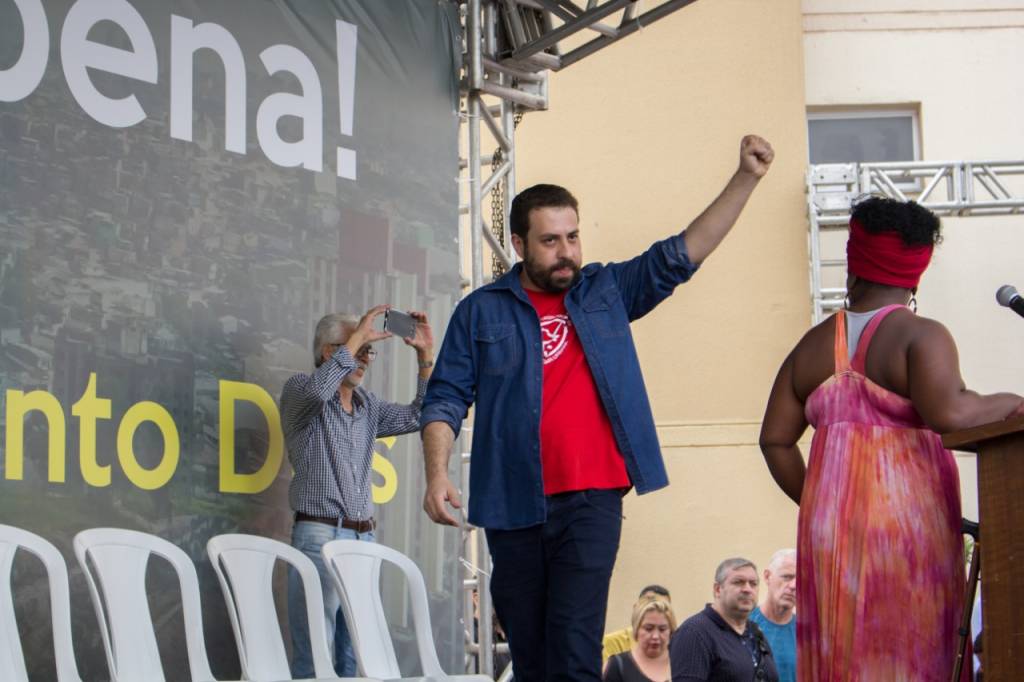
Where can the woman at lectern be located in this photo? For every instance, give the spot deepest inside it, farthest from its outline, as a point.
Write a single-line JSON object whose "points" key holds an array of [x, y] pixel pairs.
{"points": [[881, 570]]}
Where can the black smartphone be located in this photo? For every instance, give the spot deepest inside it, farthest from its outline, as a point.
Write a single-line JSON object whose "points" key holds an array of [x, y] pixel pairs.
{"points": [[400, 324]]}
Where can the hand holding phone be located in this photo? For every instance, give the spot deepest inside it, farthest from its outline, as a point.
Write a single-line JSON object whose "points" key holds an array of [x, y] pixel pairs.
{"points": [[400, 324]]}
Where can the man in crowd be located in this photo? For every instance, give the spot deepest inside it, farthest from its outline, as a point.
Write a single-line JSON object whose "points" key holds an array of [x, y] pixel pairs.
{"points": [[777, 615], [330, 423], [562, 425], [621, 641], [720, 643]]}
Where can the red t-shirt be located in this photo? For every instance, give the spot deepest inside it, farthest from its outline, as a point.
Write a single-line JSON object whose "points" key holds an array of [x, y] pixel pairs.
{"points": [[577, 448]]}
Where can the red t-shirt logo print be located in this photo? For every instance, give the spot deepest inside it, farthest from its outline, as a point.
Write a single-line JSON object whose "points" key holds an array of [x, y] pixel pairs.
{"points": [[578, 450], [554, 336]]}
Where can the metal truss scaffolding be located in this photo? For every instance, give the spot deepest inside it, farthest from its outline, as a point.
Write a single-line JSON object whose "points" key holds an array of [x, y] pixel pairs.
{"points": [[509, 47], [948, 188]]}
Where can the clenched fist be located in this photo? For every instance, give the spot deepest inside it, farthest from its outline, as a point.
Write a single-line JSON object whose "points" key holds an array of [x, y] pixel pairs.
{"points": [[756, 155]]}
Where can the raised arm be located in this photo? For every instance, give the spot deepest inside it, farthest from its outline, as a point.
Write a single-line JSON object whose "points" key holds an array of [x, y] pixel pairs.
{"points": [[304, 395], [400, 418], [646, 280], [707, 231], [783, 425], [938, 391]]}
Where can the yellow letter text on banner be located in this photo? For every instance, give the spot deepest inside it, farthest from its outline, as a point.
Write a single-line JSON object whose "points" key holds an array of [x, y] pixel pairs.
{"points": [[18, 404], [230, 480], [88, 409], [380, 464], [148, 479]]}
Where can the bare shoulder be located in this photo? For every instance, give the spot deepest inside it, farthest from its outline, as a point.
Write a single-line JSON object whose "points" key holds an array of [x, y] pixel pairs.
{"points": [[907, 337], [816, 339], [927, 325], [813, 360], [916, 328], [924, 333]]}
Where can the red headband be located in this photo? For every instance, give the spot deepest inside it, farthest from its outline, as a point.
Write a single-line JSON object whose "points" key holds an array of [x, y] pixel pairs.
{"points": [[882, 257]]}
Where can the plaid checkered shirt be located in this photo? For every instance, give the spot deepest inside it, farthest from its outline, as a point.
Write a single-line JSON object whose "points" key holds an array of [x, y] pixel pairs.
{"points": [[331, 450]]}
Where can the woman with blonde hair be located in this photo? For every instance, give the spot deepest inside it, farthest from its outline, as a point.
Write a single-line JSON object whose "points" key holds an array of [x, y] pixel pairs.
{"points": [[647, 660]]}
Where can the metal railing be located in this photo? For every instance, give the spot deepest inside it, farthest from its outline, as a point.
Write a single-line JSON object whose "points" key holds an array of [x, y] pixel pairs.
{"points": [[948, 188]]}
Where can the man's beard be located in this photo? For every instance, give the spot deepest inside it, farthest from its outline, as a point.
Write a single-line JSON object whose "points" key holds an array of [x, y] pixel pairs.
{"points": [[350, 379], [544, 277]]}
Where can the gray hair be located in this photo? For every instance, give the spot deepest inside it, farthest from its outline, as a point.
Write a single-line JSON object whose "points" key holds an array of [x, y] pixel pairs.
{"points": [[781, 556], [329, 330], [731, 565]]}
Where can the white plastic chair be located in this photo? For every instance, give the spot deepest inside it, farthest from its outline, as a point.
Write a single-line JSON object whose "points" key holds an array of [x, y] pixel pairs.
{"points": [[114, 561], [12, 658], [245, 565], [355, 569]]}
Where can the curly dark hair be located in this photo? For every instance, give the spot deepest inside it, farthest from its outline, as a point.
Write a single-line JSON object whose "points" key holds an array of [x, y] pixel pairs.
{"points": [[915, 224]]}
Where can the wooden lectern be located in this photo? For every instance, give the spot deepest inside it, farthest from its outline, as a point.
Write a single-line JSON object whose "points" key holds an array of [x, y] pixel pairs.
{"points": [[1000, 449]]}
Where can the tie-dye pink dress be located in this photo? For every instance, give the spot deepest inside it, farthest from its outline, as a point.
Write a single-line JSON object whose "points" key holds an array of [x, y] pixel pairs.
{"points": [[880, 576]]}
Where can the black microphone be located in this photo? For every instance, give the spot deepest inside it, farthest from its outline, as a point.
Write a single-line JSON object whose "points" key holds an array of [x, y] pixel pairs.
{"points": [[1008, 297]]}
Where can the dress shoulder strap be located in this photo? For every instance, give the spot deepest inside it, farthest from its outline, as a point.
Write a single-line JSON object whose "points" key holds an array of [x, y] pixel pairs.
{"points": [[839, 348], [857, 364]]}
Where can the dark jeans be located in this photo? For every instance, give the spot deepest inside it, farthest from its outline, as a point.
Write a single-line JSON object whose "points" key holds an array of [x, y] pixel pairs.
{"points": [[550, 585]]}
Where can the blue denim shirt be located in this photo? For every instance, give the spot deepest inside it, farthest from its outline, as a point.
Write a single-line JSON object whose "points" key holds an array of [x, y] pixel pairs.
{"points": [[491, 357]]}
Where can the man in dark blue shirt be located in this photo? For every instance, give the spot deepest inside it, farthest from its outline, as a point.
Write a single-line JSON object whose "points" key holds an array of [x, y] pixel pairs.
{"points": [[553, 516], [721, 643]]}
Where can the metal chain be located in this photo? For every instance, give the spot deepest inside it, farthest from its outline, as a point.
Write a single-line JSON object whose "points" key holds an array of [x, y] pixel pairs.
{"points": [[498, 200]]}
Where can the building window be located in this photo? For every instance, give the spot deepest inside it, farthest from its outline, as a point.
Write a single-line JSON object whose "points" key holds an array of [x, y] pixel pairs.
{"points": [[862, 135]]}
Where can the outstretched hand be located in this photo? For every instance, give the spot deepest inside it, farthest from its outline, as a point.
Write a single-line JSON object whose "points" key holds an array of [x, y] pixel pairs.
{"points": [[756, 155]]}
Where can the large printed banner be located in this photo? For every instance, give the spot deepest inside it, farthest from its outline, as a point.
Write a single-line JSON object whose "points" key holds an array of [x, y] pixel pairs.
{"points": [[185, 188]]}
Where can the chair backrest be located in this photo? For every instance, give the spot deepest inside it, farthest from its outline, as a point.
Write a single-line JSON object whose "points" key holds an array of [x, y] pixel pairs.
{"points": [[114, 562], [12, 659], [245, 565], [355, 569]]}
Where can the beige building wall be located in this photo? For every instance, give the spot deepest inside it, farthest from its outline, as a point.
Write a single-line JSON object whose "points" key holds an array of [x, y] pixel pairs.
{"points": [[646, 133], [958, 62]]}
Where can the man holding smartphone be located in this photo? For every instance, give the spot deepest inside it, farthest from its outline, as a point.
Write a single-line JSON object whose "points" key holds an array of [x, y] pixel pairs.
{"points": [[330, 423], [562, 425]]}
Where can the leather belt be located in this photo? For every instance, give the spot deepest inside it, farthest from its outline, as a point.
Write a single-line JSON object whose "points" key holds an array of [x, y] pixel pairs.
{"points": [[363, 526]]}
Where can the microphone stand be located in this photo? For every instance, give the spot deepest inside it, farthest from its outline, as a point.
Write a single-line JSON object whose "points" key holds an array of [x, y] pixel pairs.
{"points": [[969, 528]]}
